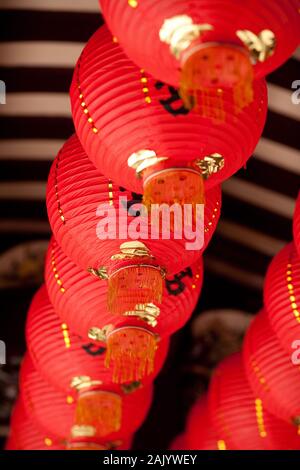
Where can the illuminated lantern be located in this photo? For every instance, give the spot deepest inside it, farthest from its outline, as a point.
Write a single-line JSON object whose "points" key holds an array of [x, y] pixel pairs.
{"points": [[200, 434], [270, 371], [110, 419], [63, 358], [206, 46], [134, 269], [296, 225], [25, 436], [80, 300], [240, 417], [282, 296], [138, 131]]}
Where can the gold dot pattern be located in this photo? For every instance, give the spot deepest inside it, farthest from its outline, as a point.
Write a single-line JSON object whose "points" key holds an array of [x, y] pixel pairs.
{"points": [[65, 331], [70, 400], [145, 87], [85, 110], [214, 215], [289, 280], [259, 375], [48, 441], [221, 445], [56, 275], [110, 193], [133, 3], [260, 417], [60, 211]]}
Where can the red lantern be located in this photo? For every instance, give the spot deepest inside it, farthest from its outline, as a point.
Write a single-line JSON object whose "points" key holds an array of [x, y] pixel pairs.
{"points": [[108, 419], [270, 371], [138, 131], [112, 99], [296, 225], [282, 296], [206, 46], [200, 435], [240, 417], [80, 300], [76, 195], [24, 435], [61, 356]]}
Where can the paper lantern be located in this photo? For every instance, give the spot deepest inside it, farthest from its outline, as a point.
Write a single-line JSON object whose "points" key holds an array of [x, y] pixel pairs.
{"points": [[59, 415], [138, 132], [282, 296], [25, 436], [270, 371], [296, 225], [134, 269], [61, 357], [80, 300], [240, 417], [206, 46], [200, 435]]}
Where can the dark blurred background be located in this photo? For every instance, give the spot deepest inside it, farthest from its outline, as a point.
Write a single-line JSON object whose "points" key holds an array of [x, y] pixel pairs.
{"points": [[40, 42]]}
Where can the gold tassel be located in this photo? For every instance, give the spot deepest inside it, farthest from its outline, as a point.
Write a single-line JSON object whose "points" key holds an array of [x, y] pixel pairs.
{"points": [[174, 186], [132, 285], [99, 410], [210, 70], [131, 353]]}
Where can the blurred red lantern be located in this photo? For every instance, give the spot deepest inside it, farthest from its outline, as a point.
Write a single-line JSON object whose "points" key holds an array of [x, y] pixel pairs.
{"points": [[282, 296], [240, 417], [200, 435], [138, 131], [206, 45], [100, 416], [296, 225], [61, 356], [25, 436], [75, 198], [80, 300], [270, 371]]}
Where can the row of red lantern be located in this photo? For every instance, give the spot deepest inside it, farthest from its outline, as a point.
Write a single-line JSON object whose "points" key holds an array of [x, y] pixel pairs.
{"points": [[253, 401], [64, 379]]}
